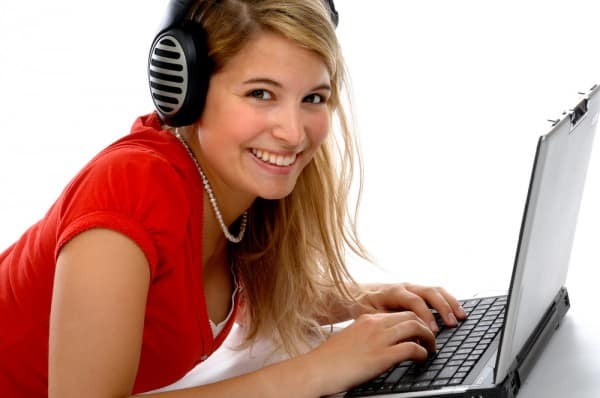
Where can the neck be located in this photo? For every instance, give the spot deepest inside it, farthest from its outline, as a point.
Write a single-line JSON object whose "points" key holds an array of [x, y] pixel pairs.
{"points": [[226, 204], [214, 243], [231, 203]]}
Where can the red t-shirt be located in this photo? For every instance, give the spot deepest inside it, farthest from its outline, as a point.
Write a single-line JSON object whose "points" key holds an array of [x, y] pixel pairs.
{"points": [[146, 187]]}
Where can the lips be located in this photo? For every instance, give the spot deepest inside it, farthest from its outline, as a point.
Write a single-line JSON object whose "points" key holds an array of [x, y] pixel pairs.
{"points": [[273, 158]]}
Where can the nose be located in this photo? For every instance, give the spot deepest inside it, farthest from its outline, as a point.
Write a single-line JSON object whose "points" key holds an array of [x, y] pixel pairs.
{"points": [[290, 127]]}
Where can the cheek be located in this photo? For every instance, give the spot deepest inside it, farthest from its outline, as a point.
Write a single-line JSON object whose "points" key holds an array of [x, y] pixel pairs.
{"points": [[245, 123], [319, 128], [236, 127]]}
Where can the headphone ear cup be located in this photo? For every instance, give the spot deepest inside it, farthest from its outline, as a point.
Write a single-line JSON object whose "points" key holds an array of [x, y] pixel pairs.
{"points": [[179, 69]]}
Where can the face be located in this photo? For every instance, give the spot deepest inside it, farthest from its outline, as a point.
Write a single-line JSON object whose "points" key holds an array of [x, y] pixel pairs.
{"points": [[266, 114]]}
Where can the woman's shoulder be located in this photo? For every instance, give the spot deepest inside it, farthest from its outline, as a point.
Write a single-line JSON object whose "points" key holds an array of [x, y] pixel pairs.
{"points": [[147, 143], [148, 150], [147, 168]]}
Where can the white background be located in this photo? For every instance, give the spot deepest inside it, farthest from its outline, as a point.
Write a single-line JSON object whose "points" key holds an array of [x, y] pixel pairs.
{"points": [[450, 97]]}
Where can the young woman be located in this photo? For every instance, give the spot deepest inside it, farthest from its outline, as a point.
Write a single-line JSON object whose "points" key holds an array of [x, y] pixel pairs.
{"points": [[137, 272]]}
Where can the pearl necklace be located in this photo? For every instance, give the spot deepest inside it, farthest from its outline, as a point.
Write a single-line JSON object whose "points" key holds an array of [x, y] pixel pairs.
{"points": [[211, 197]]}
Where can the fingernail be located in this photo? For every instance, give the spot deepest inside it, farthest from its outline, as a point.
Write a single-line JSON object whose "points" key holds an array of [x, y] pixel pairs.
{"points": [[462, 312], [452, 319], [434, 327]]}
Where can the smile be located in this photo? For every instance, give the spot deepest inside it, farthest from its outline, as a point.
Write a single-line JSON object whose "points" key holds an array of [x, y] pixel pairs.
{"points": [[274, 159]]}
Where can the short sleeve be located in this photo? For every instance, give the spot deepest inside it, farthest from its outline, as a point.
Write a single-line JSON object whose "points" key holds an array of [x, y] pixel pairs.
{"points": [[132, 190]]}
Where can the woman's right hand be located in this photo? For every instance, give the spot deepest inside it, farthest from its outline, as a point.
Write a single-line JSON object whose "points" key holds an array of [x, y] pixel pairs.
{"points": [[368, 347]]}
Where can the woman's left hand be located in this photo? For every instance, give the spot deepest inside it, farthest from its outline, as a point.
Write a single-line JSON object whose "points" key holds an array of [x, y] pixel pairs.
{"points": [[415, 298]]}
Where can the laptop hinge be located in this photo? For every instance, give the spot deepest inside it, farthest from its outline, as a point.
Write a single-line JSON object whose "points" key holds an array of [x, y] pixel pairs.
{"points": [[527, 357]]}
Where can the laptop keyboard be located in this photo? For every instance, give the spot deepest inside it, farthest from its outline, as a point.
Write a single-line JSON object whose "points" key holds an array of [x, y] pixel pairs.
{"points": [[459, 349]]}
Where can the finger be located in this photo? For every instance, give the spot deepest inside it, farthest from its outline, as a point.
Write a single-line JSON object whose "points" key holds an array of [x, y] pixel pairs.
{"points": [[391, 319], [412, 330], [439, 301], [415, 303], [408, 350], [454, 304]]}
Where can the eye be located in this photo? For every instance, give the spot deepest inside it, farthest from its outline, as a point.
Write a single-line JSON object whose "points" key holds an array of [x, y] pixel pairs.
{"points": [[314, 99], [260, 94]]}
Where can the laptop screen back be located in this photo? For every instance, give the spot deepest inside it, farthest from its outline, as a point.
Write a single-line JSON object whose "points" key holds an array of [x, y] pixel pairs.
{"points": [[548, 226]]}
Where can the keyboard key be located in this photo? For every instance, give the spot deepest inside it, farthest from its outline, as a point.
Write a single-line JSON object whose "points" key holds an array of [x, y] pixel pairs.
{"points": [[447, 372], [421, 385], [402, 387], [468, 304], [445, 333], [458, 338], [456, 381], [385, 388], [426, 376], [395, 375]]}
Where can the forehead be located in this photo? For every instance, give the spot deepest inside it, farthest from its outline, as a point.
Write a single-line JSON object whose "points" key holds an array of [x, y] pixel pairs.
{"points": [[273, 54]]}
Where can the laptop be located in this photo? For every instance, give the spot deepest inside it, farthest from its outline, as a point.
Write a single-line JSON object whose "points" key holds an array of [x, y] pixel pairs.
{"points": [[492, 352]]}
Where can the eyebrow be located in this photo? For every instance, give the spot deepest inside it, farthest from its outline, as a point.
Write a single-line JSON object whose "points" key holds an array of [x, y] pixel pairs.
{"points": [[264, 80]]}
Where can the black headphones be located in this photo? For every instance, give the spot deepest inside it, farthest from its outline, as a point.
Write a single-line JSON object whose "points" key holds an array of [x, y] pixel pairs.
{"points": [[179, 67]]}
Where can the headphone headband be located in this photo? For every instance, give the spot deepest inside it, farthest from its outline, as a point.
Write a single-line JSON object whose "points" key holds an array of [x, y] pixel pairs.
{"points": [[176, 12], [178, 9], [335, 17]]}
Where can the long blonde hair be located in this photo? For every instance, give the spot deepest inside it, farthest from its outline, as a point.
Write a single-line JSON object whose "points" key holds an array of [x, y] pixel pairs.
{"points": [[292, 260]]}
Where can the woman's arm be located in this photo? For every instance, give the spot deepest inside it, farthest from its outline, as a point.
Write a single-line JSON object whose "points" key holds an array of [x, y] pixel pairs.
{"points": [[97, 316], [96, 326]]}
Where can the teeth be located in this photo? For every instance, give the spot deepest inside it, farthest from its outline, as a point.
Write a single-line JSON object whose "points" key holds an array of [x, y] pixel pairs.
{"points": [[274, 159]]}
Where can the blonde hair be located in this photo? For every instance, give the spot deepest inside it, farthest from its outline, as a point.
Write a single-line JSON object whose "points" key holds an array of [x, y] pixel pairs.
{"points": [[292, 260]]}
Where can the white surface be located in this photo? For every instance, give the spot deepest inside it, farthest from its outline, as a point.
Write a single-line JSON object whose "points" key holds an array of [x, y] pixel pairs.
{"points": [[570, 367], [449, 98]]}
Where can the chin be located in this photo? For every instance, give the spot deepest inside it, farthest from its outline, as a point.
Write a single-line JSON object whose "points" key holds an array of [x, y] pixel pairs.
{"points": [[275, 193]]}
